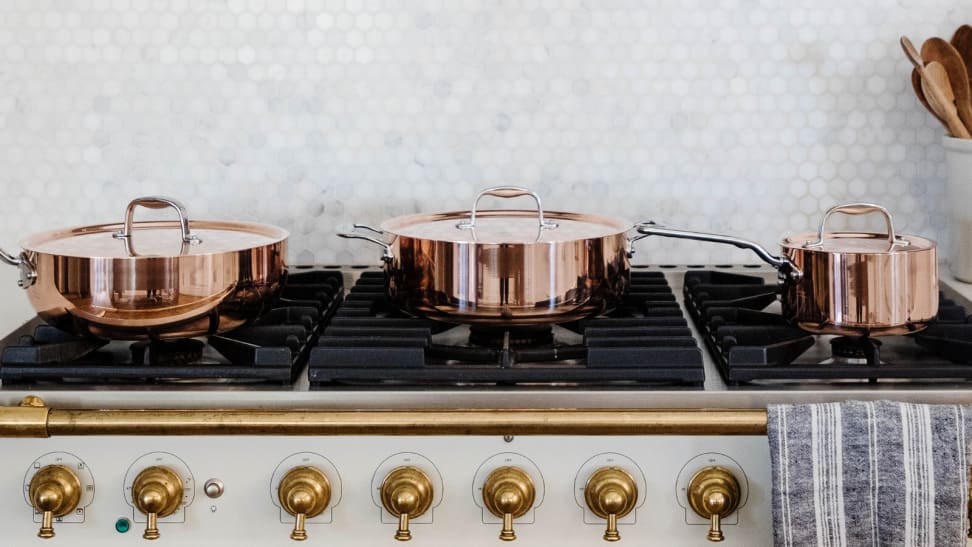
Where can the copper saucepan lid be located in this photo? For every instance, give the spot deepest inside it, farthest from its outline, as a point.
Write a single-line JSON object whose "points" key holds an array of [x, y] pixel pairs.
{"points": [[860, 243]]}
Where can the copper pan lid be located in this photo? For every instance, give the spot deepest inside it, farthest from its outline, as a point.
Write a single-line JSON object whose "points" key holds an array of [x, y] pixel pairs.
{"points": [[505, 226], [155, 238], [857, 242]]}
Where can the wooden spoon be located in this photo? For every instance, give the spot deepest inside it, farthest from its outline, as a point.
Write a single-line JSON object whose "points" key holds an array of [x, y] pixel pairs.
{"points": [[916, 77], [916, 84], [937, 49], [962, 41], [911, 53], [938, 91]]}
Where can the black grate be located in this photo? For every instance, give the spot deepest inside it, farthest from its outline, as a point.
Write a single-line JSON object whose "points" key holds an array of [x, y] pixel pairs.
{"points": [[272, 349], [645, 342], [752, 344]]}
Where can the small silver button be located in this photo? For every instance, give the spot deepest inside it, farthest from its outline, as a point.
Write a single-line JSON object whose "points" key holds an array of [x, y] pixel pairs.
{"points": [[213, 488]]}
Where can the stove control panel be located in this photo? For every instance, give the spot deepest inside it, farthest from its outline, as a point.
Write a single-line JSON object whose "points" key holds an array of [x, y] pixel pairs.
{"points": [[432, 491]]}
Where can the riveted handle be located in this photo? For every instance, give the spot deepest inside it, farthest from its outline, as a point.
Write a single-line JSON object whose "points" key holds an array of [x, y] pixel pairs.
{"points": [[507, 192], [857, 209], [28, 274], [156, 202]]}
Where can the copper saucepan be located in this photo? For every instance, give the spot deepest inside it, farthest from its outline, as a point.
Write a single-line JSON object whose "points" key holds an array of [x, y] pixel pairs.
{"points": [[157, 279], [852, 283], [504, 267]]}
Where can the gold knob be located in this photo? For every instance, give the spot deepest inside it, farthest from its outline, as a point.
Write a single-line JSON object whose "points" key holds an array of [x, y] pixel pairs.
{"points": [[714, 494], [611, 493], [406, 493], [157, 492], [508, 493], [304, 492], [54, 491]]}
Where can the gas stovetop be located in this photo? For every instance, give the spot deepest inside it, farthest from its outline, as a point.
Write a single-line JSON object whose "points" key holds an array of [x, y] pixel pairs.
{"points": [[683, 337]]}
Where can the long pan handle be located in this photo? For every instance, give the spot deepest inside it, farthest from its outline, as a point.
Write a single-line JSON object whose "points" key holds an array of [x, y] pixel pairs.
{"points": [[782, 264], [387, 254]]}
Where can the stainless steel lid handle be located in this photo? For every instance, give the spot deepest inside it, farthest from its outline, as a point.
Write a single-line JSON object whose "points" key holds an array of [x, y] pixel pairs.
{"points": [[782, 264], [506, 192], [387, 255], [857, 209], [157, 202]]}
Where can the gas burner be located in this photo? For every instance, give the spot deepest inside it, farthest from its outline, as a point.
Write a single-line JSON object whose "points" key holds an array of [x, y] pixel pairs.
{"points": [[644, 343], [510, 337], [850, 350], [273, 349], [182, 352], [750, 344]]}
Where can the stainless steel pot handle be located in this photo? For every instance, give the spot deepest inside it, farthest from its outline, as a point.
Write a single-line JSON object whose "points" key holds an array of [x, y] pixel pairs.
{"points": [[387, 255], [156, 202], [28, 275], [857, 209], [9, 258], [783, 265], [507, 192]]}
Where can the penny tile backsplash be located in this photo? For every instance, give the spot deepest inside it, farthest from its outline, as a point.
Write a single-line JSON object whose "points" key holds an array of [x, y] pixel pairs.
{"points": [[734, 116]]}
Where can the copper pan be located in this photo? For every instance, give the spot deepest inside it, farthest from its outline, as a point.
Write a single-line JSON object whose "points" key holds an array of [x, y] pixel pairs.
{"points": [[152, 280], [504, 267], [851, 283]]}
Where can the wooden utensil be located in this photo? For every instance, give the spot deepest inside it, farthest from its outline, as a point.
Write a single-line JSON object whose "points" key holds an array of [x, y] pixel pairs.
{"points": [[962, 41], [911, 53], [938, 91], [937, 49], [917, 80], [916, 84]]}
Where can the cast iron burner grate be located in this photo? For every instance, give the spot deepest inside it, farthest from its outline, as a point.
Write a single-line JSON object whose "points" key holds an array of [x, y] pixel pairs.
{"points": [[645, 342], [272, 349], [751, 344]]}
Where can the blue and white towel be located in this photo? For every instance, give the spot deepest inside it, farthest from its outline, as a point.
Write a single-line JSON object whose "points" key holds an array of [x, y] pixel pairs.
{"points": [[870, 474]]}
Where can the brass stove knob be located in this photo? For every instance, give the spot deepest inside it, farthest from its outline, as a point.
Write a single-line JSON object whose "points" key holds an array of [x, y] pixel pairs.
{"points": [[54, 491], [406, 493], [713, 493], [611, 493], [156, 492], [508, 493], [304, 492]]}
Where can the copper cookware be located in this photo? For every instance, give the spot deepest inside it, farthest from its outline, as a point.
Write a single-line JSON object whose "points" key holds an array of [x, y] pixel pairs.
{"points": [[157, 279], [852, 283], [504, 267]]}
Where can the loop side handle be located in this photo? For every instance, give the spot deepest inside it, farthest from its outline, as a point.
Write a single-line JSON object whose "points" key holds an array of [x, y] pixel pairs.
{"points": [[28, 274], [387, 254], [157, 202], [13, 260], [507, 192], [857, 209], [782, 264]]}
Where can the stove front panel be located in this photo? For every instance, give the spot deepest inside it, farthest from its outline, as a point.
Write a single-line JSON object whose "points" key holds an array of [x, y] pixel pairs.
{"points": [[249, 468]]}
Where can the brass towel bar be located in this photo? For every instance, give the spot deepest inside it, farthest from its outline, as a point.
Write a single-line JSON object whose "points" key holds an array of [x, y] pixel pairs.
{"points": [[33, 419]]}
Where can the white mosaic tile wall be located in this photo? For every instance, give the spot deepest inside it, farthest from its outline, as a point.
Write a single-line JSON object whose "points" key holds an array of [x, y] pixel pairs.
{"points": [[741, 116]]}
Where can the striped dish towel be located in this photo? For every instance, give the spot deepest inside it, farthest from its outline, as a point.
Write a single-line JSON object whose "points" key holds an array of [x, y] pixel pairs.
{"points": [[869, 474]]}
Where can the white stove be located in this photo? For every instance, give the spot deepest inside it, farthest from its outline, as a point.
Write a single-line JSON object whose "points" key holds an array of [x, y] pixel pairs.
{"points": [[214, 461]]}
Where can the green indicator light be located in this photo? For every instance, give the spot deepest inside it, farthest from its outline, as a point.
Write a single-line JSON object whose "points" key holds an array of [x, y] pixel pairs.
{"points": [[123, 525]]}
